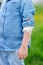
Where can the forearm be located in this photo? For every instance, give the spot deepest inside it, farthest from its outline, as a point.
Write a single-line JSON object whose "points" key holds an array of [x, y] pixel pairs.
{"points": [[26, 38]]}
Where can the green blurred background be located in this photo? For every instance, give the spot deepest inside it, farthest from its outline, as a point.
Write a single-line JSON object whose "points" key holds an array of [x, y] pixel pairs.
{"points": [[35, 53]]}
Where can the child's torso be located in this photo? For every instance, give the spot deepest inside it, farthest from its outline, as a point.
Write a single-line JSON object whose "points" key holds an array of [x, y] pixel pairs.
{"points": [[10, 25], [11, 18]]}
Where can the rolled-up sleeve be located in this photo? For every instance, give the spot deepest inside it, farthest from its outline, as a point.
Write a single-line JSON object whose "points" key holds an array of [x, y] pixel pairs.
{"points": [[28, 11]]}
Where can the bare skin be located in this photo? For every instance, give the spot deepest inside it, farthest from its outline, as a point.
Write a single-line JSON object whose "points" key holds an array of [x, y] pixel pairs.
{"points": [[23, 50]]}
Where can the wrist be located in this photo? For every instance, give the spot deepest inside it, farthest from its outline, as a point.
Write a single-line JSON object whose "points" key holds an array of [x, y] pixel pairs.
{"points": [[24, 46]]}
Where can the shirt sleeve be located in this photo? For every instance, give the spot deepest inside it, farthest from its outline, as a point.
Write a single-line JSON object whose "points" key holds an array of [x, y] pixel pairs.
{"points": [[28, 29], [27, 11]]}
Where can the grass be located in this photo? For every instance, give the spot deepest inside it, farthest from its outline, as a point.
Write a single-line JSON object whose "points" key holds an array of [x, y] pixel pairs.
{"points": [[35, 53]]}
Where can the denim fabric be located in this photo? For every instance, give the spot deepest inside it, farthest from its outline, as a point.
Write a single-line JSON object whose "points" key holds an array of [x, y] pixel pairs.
{"points": [[13, 18], [10, 58]]}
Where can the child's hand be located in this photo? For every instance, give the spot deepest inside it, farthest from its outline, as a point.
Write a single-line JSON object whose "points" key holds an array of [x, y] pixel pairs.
{"points": [[23, 52]]}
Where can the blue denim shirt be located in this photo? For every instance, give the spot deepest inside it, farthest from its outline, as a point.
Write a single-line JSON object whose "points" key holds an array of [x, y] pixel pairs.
{"points": [[13, 18]]}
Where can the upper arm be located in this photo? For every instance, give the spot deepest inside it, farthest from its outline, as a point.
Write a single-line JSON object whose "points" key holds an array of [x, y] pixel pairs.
{"points": [[27, 12]]}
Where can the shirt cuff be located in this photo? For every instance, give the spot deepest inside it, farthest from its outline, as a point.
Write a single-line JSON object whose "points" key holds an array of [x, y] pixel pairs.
{"points": [[28, 29]]}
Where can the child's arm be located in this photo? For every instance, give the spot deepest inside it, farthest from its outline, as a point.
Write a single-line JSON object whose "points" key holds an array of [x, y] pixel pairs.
{"points": [[27, 12], [23, 51], [26, 37]]}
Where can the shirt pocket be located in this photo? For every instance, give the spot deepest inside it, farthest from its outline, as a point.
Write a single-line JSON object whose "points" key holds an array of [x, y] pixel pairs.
{"points": [[13, 5]]}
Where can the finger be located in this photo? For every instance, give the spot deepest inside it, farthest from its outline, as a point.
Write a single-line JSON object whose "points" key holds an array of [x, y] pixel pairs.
{"points": [[22, 57], [19, 56]]}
